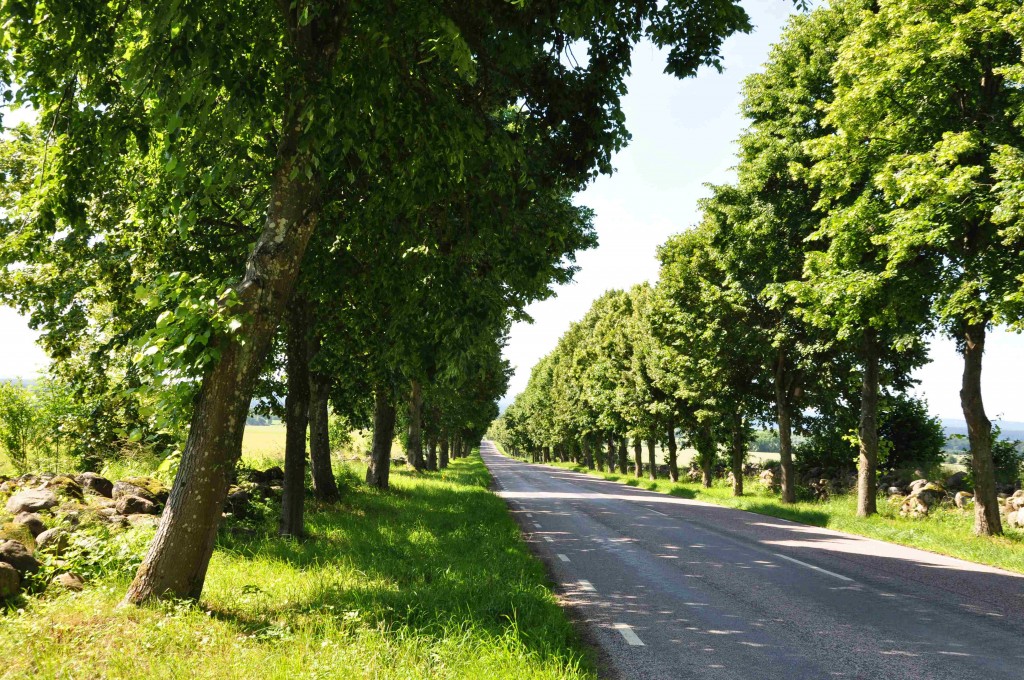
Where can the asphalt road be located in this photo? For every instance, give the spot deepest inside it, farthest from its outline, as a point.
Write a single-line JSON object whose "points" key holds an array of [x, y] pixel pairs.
{"points": [[667, 587]]}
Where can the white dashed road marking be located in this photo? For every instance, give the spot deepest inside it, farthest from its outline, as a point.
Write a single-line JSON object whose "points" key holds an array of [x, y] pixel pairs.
{"points": [[587, 586], [627, 632], [536, 525], [811, 566], [549, 539], [562, 557]]}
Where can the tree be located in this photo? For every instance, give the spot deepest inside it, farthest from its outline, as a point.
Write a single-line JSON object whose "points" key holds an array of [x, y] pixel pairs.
{"points": [[919, 168]]}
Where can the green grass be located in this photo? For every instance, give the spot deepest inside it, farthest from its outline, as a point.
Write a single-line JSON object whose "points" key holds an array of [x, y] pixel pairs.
{"points": [[429, 580], [946, 531]]}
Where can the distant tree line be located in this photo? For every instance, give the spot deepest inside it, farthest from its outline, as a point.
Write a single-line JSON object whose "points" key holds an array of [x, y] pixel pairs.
{"points": [[879, 199]]}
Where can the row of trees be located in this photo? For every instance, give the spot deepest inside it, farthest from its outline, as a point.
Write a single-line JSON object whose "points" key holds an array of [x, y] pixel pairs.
{"points": [[346, 203], [879, 199]]}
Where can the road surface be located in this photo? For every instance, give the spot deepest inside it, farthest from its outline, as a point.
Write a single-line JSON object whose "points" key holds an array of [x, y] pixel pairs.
{"points": [[668, 587]]}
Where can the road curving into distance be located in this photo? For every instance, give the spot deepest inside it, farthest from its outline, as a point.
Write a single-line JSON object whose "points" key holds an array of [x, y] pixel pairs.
{"points": [[668, 587]]}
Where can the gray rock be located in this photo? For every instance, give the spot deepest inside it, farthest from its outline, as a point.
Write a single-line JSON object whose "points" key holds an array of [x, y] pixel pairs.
{"points": [[55, 541], [31, 500], [18, 556], [962, 499], [95, 484], [135, 505], [956, 481], [69, 581], [142, 520], [10, 580], [33, 521]]}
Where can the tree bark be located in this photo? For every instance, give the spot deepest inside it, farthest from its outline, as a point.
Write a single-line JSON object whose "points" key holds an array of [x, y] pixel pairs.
{"points": [[739, 452], [293, 497], [379, 470], [979, 432], [705, 446], [610, 453], [432, 453], [180, 552], [673, 464], [588, 453], [638, 457], [652, 470], [784, 408], [867, 482], [416, 426], [325, 488], [623, 456], [442, 462]]}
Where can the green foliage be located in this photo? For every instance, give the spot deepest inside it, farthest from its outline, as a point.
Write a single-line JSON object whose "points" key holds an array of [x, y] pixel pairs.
{"points": [[915, 439], [19, 423]]}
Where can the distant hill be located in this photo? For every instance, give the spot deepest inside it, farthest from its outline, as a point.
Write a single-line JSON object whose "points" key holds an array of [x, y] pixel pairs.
{"points": [[1009, 429]]}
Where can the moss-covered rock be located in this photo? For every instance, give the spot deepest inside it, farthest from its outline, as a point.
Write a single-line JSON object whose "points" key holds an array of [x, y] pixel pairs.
{"points": [[144, 487], [65, 487], [16, 531]]}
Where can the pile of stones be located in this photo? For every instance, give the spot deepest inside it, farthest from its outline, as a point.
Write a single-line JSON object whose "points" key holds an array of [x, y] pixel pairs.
{"points": [[42, 512]]}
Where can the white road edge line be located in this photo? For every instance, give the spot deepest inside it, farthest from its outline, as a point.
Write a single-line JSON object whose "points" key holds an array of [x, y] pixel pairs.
{"points": [[562, 557], [811, 566], [627, 632], [586, 586], [549, 539]]}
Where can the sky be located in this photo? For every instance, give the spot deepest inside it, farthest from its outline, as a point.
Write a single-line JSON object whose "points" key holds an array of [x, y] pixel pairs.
{"points": [[684, 136]]}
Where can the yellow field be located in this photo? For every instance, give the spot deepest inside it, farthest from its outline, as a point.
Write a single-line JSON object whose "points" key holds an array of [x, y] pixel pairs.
{"points": [[263, 442]]}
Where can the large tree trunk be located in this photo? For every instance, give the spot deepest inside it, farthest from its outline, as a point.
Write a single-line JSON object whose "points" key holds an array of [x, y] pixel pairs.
{"points": [[867, 483], [623, 456], [379, 470], [673, 464], [588, 453], [179, 554], [416, 426], [442, 463], [297, 418], [739, 452], [705, 445], [652, 470], [638, 457], [979, 432], [609, 453], [784, 408], [432, 453], [325, 488]]}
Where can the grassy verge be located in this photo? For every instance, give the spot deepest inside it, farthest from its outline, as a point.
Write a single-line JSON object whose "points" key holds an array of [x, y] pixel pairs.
{"points": [[430, 580], [946, 531]]}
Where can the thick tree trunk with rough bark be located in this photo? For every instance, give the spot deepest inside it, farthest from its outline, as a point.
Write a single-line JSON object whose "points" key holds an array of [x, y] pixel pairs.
{"points": [[652, 469], [609, 452], [867, 482], [379, 470], [784, 409], [588, 453], [739, 452], [442, 462], [673, 464], [416, 426], [179, 554], [432, 453], [297, 418], [325, 487], [638, 457], [979, 432]]}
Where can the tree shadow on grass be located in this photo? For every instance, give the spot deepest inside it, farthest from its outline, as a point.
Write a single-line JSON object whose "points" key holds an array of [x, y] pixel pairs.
{"points": [[426, 558], [802, 515]]}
